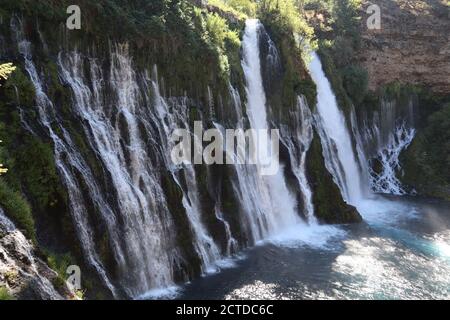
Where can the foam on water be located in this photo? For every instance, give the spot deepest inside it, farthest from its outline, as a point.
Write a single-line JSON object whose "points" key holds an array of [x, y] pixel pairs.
{"points": [[160, 293], [315, 236], [378, 210]]}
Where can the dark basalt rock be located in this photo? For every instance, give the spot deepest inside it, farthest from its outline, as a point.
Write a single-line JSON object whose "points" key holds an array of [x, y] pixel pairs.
{"points": [[330, 207]]}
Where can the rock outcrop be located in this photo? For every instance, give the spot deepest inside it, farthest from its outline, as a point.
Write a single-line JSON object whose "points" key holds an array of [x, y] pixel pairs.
{"points": [[22, 273], [329, 206], [412, 46]]}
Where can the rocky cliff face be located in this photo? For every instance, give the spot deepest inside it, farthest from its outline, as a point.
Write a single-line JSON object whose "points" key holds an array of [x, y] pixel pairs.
{"points": [[22, 273], [412, 46]]}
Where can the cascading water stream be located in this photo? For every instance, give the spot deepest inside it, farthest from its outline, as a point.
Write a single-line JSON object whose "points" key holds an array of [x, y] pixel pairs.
{"points": [[279, 209], [336, 140], [384, 180], [380, 139], [298, 144], [67, 157], [340, 158], [168, 121], [247, 186], [145, 244]]}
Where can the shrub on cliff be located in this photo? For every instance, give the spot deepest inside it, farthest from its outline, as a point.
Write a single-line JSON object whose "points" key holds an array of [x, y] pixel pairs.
{"points": [[18, 209], [426, 163], [437, 142], [285, 14], [356, 81]]}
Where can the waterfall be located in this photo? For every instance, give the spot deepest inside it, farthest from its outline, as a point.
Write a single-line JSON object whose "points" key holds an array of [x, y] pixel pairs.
{"points": [[298, 143], [382, 138], [380, 141], [118, 178], [385, 180], [66, 158], [247, 186], [113, 131], [169, 121], [338, 152], [127, 124], [279, 207]]}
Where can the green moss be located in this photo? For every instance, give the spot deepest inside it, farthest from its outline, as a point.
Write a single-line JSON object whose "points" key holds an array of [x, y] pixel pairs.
{"points": [[19, 88], [184, 234], [5, 295], [18, 209], [329, 207], [294, 78], [38, 176]]}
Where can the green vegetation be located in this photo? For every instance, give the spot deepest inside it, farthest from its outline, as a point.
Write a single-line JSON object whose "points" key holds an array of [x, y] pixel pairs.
{"points": [[218, 36], [5, 295], [18, 209], [289, 30], [59, 263], [5, 70], [337, 46], [344, 19], [327, 199], [355, 81], [426, 162], [241, 9], [37, 178], [287, 13], [437, 136]]}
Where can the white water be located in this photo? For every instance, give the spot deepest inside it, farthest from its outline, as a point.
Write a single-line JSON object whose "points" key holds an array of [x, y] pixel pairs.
{"points": [[342, 163], [279, 207], [66, 156], [113, 132], [380, 140], [386, 181], [336, 140], [247, 187], [298, 144], [169, 121]]}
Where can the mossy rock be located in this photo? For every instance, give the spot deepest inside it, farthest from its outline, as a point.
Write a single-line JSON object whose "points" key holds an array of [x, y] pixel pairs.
{"points": [[329, 206]]}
